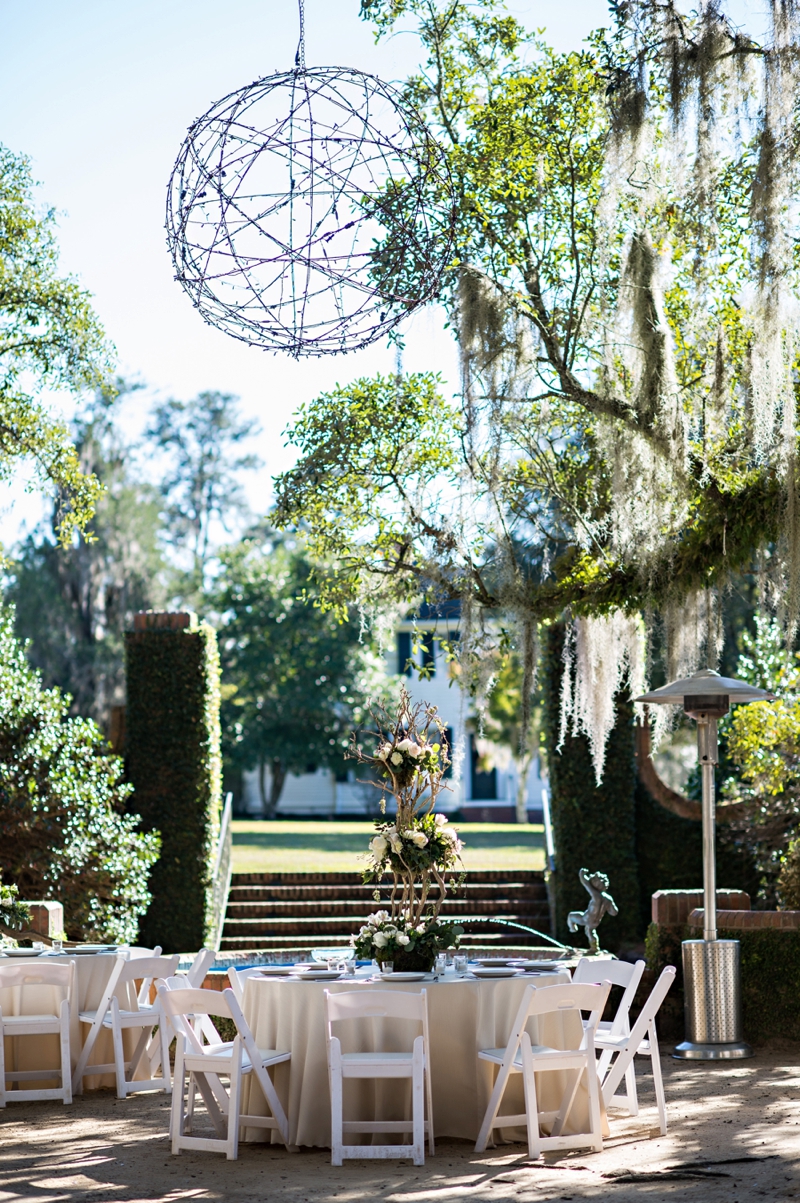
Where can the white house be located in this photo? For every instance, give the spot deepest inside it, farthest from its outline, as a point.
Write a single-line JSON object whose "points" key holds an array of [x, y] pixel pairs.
{"points": [[478, 796]]}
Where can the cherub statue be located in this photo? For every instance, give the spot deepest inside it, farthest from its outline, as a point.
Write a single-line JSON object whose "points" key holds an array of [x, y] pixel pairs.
{"points": [[602, 904]]}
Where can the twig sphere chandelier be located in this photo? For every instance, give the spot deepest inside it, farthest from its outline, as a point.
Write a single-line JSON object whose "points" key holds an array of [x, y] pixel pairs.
{"points": [[310, 211]]}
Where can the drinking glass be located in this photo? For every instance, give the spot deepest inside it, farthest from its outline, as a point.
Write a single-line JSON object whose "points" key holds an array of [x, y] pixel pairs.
{"points": [[58, 945], [460, 964], [387, 967], [440, 968], [38, 946]]}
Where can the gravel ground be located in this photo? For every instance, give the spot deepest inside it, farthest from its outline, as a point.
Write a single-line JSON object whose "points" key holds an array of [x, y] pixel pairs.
{"points": [[734, 1135]]}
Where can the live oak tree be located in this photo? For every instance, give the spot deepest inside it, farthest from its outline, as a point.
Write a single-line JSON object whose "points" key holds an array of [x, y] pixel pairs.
{"points": [[74, 602], [296, 678], [49, 338], [624, 295]]}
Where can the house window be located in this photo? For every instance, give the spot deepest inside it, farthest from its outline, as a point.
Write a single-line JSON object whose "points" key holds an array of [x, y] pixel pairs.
{"points": [[428, 656], [404, 653]]}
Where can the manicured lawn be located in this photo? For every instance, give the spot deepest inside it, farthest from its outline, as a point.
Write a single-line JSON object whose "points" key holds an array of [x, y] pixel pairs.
{"points": [[296, 847]]}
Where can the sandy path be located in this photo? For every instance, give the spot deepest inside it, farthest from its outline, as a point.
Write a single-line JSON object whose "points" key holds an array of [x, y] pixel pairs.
{"points": [[102, 1148]]}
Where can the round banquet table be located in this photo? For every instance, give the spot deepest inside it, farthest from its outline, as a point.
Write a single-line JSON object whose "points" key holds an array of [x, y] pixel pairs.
{"points": [[464, 1016], [89, 982]]}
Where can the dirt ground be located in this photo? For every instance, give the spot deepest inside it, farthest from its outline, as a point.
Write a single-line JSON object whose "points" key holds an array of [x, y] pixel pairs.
{"points": [[734, 1135]]}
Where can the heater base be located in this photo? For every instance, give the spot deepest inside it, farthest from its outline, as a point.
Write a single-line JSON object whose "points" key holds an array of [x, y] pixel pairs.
{"points": [[734, 1051]]}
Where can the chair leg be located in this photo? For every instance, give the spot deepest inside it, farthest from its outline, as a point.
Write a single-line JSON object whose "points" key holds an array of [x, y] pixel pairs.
{"points": [[487, 1127], [531, 1102], [234, 1109], [631, 1093], [119, 1051], [176, 1114], [429, 1099], [164, 1034], [655, 1060], [595, 1122], [2, 1064], [337, 1135], [418, 1103], [66, 1065]]}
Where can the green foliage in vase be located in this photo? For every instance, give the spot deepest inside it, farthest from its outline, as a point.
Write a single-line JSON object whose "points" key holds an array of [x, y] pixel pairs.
{"points": [[174, 765], [13, 913], [64, 833], [49, 338], [407, 944], [297, 678]]}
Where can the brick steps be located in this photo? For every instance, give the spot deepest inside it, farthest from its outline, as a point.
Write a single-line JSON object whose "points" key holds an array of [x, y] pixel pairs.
{"points": [[274, 911]]}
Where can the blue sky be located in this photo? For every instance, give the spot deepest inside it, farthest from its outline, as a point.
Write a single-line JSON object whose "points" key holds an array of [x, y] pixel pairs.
{"points": [[100, 93]]}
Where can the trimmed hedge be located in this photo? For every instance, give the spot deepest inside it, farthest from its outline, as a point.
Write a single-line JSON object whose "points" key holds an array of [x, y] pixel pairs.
{"points": [[174, 765], [770, 959], [593, 826]]}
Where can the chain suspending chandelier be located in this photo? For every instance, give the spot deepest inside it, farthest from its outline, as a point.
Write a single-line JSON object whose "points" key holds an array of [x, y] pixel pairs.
{"points": [[310, 211]]}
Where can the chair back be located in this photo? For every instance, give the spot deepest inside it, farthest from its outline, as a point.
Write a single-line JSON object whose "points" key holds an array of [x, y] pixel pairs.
{"points": [[144, 970], [135, 951], [189, 1011], [377, 1004], [619, 973], [571, 996], [644, 1025], [238, 977], [55, 977], [200, 967]]}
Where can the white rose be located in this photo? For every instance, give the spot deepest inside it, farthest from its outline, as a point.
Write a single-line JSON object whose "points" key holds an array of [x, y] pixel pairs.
{"points": [[420, 929], [396, 758], [405, 745], [378, 846], [450, 835], [396, 842], [379, 917], [416, 751], [401, 939], [440, 820], [379, 939], [383, 751], [418, 837]]}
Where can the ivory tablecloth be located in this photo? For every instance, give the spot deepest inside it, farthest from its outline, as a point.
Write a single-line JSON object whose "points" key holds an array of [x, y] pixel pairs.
{"points": [[89, 983], [464, 1015]]}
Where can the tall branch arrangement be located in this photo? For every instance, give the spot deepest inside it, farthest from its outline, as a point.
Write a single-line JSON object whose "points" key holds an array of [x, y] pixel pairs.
{"points": [[419, 848], [624, 293]]}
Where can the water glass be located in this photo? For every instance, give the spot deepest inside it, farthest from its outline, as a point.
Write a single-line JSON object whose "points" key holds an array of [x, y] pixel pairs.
{"points": [[460, 964], [38, 946], [387, 967], [58, 945], [440, 968]]}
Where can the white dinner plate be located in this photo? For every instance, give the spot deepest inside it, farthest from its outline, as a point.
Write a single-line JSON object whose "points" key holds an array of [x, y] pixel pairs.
{"points": [[494, 971], [275, 970], [87, 950], [404, 977], [540, 966], [23, 952], [496, 962], [316, 975]]}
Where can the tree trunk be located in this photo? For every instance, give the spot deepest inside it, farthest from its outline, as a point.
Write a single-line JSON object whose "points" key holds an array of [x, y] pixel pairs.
{"points": [[278, 776]]}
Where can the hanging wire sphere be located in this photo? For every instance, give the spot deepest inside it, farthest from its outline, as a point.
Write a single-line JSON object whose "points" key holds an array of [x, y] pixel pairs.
{"points": [[310, 212]]}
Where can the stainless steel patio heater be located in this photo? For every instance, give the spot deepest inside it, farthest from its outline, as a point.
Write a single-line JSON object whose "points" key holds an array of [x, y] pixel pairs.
{"points": [[711, 978]]}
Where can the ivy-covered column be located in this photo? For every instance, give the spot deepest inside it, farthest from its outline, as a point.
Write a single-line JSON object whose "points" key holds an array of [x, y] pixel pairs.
{"points": [[174, 765], [594, 827]]}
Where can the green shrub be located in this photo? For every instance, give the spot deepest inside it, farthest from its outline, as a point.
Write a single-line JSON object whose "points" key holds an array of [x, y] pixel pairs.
{"points": [[593, 826], [174, 765], [63, 831], [770, 960]]}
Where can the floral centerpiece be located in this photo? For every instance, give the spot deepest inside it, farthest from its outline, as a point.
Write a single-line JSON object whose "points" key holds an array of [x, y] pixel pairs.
{"points": [[13, 915], [419, 848]]}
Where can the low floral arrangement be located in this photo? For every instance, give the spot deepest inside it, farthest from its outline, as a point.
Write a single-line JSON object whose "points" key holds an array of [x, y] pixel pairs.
{"points": [[13, 914], [419, 848]]}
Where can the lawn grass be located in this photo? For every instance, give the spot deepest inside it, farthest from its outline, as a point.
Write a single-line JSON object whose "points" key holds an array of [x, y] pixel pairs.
{"points": [[323, 847]]}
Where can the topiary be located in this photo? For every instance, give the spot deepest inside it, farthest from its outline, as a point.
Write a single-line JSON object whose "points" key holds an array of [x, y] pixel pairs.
{"points": [[63, 831]]}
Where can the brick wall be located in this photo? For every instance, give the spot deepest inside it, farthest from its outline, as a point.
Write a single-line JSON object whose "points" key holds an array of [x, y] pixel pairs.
{"points": [[671, 908], [745, 920]]}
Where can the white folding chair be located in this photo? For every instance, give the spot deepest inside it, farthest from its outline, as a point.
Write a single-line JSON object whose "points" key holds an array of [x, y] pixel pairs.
{"points": [[190, 1012], [200, 967], [134, 951], [53, 1021], [381, 1004], [620, 973], [520, 1056], [238, 977], [146, 1016], [642, 1040]]}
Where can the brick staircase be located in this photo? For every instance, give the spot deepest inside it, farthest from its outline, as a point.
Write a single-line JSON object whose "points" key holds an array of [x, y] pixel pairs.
{"points": [[277, 911]]}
